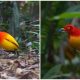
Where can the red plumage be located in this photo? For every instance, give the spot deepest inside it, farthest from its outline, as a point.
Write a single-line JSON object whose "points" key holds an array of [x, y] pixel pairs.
{"points": [[72, 30]]}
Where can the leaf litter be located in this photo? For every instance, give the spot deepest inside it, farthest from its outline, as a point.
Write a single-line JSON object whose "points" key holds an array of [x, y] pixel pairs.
{"points": [[26, 66]]}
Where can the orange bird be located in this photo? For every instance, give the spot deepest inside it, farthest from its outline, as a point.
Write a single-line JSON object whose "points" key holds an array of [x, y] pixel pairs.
{"points": [[7, 42], [73, 40]]}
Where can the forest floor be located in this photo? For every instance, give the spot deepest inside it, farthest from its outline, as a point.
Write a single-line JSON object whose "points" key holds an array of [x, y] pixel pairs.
{"points": [[24, 67]]}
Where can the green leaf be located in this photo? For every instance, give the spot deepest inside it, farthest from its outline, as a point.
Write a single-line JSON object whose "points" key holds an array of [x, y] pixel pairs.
{"points": [[67, 15], [70, 15], [53, 71]]}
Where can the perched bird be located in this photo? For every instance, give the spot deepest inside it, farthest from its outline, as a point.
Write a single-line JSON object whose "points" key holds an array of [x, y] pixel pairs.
{"points": [[7, 42], [73, 35], [73, 40]]}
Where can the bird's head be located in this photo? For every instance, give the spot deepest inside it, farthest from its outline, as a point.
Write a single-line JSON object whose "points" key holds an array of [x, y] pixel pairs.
{"points": [[68, 28], [71, 30]]}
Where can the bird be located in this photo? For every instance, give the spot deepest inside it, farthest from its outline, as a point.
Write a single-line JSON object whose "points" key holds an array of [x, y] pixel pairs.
{"points": [[8, 42], [73, 40]]}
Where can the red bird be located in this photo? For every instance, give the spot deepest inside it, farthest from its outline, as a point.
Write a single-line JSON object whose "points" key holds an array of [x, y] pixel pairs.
{"points": [[73, 35], [73, 40]]}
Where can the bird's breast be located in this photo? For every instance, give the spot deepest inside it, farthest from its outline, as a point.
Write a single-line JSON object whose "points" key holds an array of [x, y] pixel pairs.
{"points": [[74, 41]]}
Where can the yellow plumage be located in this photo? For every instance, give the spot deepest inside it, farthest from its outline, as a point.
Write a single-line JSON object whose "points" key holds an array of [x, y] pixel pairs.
{"points": [[9, 43]]}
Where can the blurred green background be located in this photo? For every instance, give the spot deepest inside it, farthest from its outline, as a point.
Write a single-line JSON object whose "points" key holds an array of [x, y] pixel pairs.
{"points": [[55, 15]]}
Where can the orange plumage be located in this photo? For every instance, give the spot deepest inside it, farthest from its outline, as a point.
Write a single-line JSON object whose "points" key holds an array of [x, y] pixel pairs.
{"points": [[8, 42]]}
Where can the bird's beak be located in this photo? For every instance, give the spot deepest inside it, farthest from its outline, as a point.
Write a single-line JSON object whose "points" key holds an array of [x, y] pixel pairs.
{"points": [[61, 30]]}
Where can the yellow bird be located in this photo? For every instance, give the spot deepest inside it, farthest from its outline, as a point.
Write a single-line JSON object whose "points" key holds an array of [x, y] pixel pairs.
{"points": [[7, 42]]}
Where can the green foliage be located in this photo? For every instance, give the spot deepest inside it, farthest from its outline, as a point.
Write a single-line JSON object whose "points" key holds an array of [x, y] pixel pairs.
{"points": [[53, 71], [67, 15], [60, 13]]}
